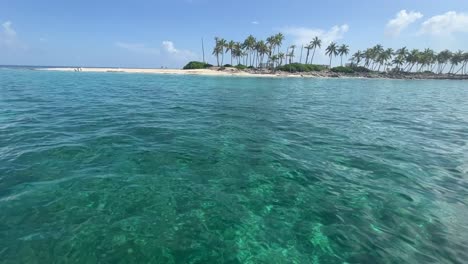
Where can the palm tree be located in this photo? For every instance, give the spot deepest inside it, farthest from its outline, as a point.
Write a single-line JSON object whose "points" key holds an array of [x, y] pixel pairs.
{"points": [[222, 44], [262, 49], [384, 56], [332, 50], [281, 57], [442, 59], [412, 59], [356, 58], [463, 59], [230, 47], [237, 52], [368, 55], [218, 49], [271, 43], [249, 45], [316, 42], [403, 52], [308, 48], [456, 59], [274, 59], [398, 61], [465, 62], [279, 38], [376, 52], [343, 50], [291, 54]]}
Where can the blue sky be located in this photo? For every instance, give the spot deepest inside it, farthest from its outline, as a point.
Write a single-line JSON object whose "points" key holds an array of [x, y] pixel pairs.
{"points": [[145, 33]]}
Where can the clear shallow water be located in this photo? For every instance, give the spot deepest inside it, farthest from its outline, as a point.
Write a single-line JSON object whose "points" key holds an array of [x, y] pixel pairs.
{"points": [[118, 168]]}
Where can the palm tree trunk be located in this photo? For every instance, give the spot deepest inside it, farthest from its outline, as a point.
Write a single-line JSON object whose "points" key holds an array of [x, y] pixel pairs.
{"points": [[330, 62], [307, 57], [451, 68], [461, 69], [341, 60], [302, 49], [420, 68], [312, 59]]}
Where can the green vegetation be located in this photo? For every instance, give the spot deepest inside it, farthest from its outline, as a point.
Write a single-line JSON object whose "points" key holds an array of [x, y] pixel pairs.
{"points": [[298, 67], [360, 69], [193, 65], [241, 67], [342, 69], [267, 53]]}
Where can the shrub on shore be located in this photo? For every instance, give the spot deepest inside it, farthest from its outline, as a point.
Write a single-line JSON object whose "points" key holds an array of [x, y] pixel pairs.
{"points": [[194, 65], [227, 65], [342, 69], [298, 67], [241, 67], [360, 69]]}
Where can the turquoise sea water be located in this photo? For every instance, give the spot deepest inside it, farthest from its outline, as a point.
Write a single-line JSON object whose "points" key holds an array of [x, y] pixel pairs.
{"points": [[122, 168]]}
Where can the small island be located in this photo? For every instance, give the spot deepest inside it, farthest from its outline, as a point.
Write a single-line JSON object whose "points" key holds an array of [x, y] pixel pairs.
{"points": [[252, 58], [266, 58]]}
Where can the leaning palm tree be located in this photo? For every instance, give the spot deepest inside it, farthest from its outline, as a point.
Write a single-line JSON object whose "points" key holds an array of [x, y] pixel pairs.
{"points": [[332, 50], [356, 58], [343, 50], [412, 59], [374, 54], [399, 61], [316, 43], [462, 58], [465, 62], [442, 59], [455, 60], [403, 52], [368, 56], [384, 57]]}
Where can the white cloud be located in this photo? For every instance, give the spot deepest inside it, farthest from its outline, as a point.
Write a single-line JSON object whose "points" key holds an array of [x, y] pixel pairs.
{"points": [[445, 24], [255, 23], [167, 54], [137, 48], [8, 37], [169, 48], [401, 21], [303, 35]]}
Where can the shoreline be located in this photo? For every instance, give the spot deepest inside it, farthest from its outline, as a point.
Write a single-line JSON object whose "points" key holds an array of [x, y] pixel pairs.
{"points": [[265, 73]]}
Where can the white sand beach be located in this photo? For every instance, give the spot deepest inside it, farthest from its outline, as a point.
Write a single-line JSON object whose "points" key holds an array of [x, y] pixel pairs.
{"points": [[208, 72]]}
